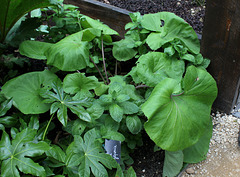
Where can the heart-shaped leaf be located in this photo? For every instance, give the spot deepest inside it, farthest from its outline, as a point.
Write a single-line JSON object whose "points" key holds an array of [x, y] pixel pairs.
{"points": [[156, 66], [177, 121], [172, 163], [198, 152], [24, 90], [167, 27], [34, 49], [72, 52]]}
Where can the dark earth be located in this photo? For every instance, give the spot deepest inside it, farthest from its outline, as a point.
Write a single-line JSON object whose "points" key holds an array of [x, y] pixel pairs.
{"points": [[148, 163], [192, 11]]}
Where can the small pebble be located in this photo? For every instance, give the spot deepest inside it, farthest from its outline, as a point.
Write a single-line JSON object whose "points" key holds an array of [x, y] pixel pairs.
{"points": [[190, 171]]}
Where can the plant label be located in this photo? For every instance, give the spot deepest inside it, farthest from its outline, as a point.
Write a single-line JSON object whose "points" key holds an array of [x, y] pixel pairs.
{"points": [[113, 148]]}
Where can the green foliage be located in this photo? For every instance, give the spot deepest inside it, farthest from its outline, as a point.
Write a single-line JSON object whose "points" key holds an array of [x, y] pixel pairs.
{"points": [[186, 112], [25, 91], [166, 81], [13, 154]]}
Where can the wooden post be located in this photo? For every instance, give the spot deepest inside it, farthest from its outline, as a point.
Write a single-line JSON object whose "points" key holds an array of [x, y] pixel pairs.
{"points": [[221, 44], [116, 18]]}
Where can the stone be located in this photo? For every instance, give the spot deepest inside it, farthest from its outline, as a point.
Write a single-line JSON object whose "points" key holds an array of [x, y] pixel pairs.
{"points": [[190, 171]]}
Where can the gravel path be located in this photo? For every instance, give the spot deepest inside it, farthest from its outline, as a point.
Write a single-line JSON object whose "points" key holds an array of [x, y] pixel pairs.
{"points": [[223, 158]]}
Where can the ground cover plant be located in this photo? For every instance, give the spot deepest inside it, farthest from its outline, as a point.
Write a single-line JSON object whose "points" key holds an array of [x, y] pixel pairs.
{"points": [[91, 89]]}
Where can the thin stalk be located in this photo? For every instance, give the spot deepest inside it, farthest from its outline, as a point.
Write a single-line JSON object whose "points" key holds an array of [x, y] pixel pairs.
{"points": [[116, 68], [104, 63], [177, 94], [98, 71], [44, 134], [141, 86]]}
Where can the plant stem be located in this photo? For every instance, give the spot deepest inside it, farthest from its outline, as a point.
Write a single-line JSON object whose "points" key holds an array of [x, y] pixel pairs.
{"points": [[44, 134], [116, 69], [98, 70], [142, 86], [104, 63], [177, 94]]}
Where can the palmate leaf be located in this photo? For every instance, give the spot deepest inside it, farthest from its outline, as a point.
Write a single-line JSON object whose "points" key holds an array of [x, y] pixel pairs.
{"points": [[15, 154], [177, 121], [58, 158], [167, 27], [90, 155], [24, 90], [80, 84], [156, 66], [61, 102]]}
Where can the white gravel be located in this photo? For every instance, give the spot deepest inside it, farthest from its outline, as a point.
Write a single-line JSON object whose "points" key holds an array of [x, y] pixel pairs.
{"points": [[223, 158]]}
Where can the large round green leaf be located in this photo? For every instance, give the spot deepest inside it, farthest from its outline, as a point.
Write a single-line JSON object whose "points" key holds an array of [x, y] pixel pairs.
{"points": [[198, 152], [177, 121], [156, 66], [167, 27], [24, 91], [71, 53], [34, 49]]}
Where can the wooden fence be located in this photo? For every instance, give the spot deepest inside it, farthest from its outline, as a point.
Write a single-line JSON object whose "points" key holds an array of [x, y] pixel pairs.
{"points": [[220, 41]]}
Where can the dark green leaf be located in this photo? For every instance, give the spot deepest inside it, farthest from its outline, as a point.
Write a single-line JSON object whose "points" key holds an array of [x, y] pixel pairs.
{"points": [[13, 154], [173, 163], [5, 106], [134, 124], [116, 112], [90, 155]]}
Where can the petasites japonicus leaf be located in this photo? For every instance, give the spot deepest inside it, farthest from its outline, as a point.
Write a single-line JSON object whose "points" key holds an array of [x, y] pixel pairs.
{"points": [[16, 154], [156, 66], [25, 91], [178, 120], [91, 157]]}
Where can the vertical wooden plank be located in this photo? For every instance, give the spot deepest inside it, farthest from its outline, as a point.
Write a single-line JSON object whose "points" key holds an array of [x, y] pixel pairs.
{"points": [[114, 17], [221, 43]]}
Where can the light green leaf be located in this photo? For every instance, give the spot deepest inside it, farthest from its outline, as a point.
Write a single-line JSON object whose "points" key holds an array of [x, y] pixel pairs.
{"points": [[173, 163], [134, 124], [88, 22], [177, 121], [24, 90], [79, 83], [167, 27], [153, 67], [34, 49], [124, 50], [91, 156], [116, 112], [69, 54], [198, 152], [13, 154]]}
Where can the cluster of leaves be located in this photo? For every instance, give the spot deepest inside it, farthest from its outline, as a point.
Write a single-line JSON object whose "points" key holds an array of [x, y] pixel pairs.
{"points": [[54, 122]]}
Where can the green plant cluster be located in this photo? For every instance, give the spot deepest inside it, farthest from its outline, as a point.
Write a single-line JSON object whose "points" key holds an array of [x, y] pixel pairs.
{"points": [[55, 121]]}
